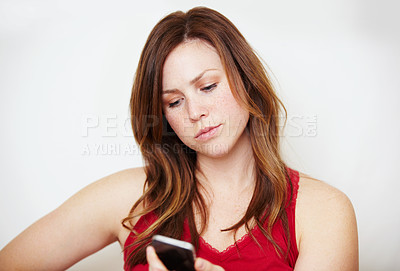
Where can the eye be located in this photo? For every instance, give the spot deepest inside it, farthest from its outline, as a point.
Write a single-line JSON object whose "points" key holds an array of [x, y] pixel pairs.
{"points": [[174, 103], [209, 88]]}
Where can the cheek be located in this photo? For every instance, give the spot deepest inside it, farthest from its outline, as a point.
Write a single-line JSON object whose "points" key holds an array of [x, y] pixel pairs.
{"points": [[230, 108], [173, 122], [227, 103], [178, 124], [236, 117]]}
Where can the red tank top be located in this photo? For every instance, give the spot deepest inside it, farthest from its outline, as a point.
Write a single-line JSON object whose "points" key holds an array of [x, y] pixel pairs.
{"points": [[247, 255]]}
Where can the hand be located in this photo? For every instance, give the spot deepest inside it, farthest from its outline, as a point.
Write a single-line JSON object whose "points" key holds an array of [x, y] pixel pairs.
{"points": [[155, 263], [203, 265]]}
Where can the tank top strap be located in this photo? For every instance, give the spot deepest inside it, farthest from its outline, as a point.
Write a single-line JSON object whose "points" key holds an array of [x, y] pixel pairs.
{"points": [[293, 187], [294, 177]]}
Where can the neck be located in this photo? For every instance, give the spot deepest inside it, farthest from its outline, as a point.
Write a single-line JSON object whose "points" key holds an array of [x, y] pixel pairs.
{"points": [[234, 170]]}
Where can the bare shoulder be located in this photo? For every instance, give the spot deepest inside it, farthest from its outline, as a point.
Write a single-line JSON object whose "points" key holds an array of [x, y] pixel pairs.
{"points": [[125, 185], [120, 191], [128, 178], [326, 228], [318, 201], [313, 191]]}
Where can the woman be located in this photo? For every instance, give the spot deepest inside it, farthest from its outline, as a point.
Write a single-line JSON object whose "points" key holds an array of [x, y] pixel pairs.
{"points": [[206, 118]]}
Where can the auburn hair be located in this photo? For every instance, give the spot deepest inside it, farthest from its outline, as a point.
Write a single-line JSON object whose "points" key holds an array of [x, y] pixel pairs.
{"points": [[171, 189]]}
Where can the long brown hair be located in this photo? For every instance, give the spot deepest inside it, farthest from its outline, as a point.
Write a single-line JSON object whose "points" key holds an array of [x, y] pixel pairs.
{"points": [[171, 190]]}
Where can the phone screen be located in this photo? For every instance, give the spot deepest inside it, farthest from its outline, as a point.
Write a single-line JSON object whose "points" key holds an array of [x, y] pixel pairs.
{"points": [[175, 254]]}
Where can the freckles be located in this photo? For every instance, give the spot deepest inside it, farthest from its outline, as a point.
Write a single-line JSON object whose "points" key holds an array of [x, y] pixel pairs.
{"points": [[230, 106], [175, 125], [171, 121], [180, 124], [235, 116]]}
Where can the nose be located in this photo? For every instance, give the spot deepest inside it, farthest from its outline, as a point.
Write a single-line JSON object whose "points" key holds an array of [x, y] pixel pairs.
{"points": [[196, 109]]}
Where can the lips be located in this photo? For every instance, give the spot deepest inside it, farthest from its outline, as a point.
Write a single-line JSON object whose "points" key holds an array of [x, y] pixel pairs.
{"points": [[207, 132]]}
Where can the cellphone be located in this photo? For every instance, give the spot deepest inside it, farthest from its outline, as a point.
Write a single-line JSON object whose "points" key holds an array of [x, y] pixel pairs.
{"points": [[175, 254]]}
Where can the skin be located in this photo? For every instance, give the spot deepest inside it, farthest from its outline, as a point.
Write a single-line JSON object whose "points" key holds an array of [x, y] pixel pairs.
{"points": [[326, 230], [191, 105], [226, 159]]}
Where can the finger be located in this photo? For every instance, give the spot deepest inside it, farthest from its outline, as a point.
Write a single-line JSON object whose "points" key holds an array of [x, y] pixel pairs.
{"points": [[204, 265], [154, 262]]}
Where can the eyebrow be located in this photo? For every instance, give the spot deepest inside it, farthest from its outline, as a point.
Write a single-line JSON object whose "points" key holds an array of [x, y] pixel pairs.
{"points": [[194, 80]]}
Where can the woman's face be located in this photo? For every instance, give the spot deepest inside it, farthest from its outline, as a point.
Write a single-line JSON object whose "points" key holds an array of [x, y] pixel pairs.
{"points": [[197, 101]]}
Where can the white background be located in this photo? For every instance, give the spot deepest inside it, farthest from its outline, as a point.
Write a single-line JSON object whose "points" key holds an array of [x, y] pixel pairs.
{"points": [[67, 65]]}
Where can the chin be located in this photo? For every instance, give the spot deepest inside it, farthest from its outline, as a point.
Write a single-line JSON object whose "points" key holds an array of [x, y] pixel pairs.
{"points": [[216, 150]]}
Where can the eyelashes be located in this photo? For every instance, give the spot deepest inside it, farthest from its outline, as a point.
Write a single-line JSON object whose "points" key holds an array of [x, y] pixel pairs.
{"points": [[173, 104], [208, 88]]}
